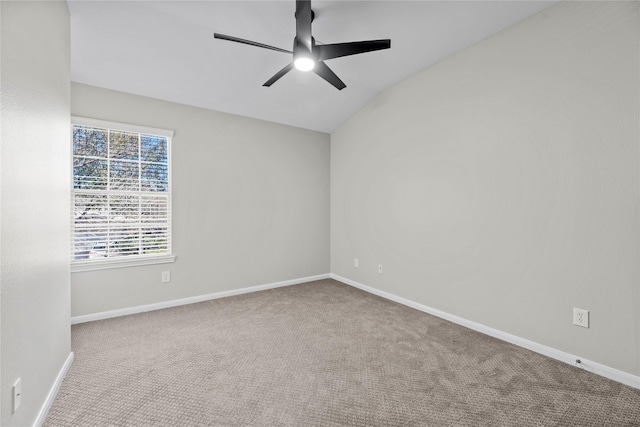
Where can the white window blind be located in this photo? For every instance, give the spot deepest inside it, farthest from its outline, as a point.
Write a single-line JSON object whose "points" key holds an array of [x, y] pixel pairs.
{"points": [[121, 192]]}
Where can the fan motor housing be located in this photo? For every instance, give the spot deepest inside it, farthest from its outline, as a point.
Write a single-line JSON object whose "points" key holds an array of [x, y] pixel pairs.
{"points": [[313, 15]]}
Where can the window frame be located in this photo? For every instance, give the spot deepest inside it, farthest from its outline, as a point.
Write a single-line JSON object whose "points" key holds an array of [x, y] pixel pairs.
{"points": [[130, 260]]}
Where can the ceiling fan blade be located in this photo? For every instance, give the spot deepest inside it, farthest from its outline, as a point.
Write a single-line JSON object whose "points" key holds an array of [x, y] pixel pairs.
{"points": [[304, 17], [330, 51], [249, 42], [326, 73], [279, 74]]}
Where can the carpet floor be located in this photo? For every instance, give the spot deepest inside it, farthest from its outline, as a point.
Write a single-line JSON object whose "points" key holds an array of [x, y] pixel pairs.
{"points": [[320, 354]]}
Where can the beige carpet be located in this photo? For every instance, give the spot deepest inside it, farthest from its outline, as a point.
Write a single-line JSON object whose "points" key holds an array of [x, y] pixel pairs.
{"points": [[320, 354]]}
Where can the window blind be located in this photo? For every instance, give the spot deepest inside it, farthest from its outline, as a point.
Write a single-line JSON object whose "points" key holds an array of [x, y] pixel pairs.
{"points": [[121, 192]]}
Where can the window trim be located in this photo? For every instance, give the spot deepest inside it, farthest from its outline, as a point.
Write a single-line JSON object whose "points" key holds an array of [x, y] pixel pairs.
{"points": [[107, 263], [134, 260], [86, 121]]}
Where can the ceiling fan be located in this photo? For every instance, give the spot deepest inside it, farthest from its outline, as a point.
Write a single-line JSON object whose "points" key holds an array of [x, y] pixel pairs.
{"points": [[307, 55]]}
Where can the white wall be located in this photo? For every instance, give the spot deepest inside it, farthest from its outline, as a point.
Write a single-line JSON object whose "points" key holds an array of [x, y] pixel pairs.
{"points": [[501, 185], [250, 204], [35, 210]]}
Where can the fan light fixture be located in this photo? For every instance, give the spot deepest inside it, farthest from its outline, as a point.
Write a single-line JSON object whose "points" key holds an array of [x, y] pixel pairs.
{"points": [[304, 63], [307, 55]]}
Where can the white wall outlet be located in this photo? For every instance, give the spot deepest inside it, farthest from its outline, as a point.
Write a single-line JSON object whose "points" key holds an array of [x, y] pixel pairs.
{"points": [[17, 394], [380, 268], [581, 317], [356, 263], [166, 276]]}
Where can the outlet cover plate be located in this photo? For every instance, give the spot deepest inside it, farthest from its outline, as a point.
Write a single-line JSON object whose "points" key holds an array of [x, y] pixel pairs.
{"points": [[581, 317], [17, 394]]}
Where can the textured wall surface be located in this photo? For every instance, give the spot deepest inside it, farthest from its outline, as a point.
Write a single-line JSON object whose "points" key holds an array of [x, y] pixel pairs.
{"points": [[501, 185], [250, 204], [34, 202]]}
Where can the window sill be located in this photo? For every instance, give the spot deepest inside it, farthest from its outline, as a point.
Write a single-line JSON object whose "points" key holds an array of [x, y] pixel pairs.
{"points": [[120, 263]]}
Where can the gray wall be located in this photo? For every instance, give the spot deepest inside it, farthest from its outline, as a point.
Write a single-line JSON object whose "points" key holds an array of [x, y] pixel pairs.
{"points": [[501, 185], [250, 204], [34, 222]]}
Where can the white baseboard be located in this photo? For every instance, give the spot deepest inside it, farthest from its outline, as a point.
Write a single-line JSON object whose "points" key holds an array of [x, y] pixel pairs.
{"points": [[42, 415], [594, 367], [183, 301]]}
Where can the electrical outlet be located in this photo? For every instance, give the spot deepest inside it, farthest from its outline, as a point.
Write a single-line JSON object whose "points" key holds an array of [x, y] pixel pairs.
{"points": [[581, 317], [166, 276], [380, 268], [17, 394], [356, 264]]}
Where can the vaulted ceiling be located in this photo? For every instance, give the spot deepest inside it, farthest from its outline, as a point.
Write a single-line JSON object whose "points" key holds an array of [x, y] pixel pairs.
{"points": [[166, 50]]}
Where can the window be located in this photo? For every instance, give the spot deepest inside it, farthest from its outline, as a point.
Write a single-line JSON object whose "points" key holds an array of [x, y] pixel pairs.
{"points": [[121, 195]]}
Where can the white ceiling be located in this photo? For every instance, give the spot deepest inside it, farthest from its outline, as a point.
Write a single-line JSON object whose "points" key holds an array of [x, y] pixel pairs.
{"points": [[166, 50]]}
